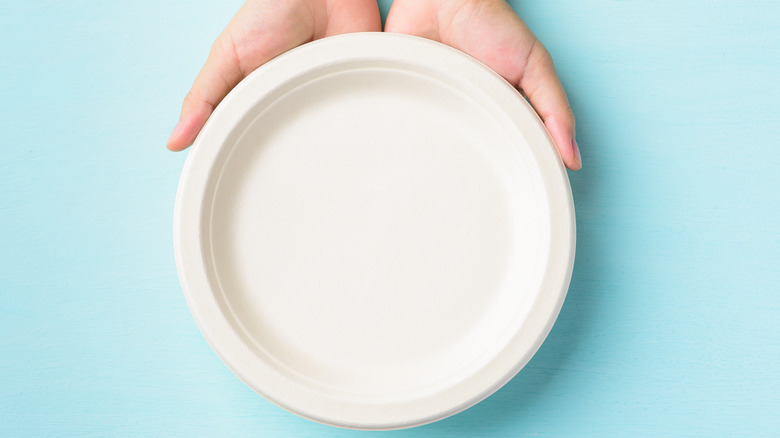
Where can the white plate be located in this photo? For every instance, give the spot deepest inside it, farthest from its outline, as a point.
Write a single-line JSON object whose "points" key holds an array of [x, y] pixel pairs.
{"points": [[374, 231]]}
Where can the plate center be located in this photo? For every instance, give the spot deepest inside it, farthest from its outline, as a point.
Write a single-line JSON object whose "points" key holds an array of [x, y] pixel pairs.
{"points": [[363, 228]]}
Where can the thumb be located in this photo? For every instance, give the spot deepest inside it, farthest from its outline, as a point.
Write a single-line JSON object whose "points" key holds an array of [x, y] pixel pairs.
{"points": [[218, 76], [544, 90]]}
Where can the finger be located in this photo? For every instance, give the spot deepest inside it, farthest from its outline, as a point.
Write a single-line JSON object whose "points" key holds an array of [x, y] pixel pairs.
{"points": [[544, 90], [226, 67], [278, 31], [353, 16], [416, 18], [219, 75]]}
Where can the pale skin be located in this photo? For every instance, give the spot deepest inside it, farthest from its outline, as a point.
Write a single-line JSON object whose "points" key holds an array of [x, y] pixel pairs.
{"points": [[488, 30]]}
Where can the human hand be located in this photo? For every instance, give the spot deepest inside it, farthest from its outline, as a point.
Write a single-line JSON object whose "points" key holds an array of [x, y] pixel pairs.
{"points": [[490, 31], [261, 30]]}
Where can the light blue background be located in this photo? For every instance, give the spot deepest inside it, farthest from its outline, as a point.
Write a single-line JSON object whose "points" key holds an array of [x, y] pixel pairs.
{"points": [[672, 323]]}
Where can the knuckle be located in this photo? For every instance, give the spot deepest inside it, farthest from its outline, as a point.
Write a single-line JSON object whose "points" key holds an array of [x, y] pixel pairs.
{"points": [[567, 117], [190, 98], [542, 55]]}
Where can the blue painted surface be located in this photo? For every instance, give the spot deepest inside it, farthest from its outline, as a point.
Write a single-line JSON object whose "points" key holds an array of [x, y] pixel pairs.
{"points": [[672, 324]]}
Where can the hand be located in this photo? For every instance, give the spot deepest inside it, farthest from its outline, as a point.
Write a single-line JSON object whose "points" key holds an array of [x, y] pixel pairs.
{"points": [[491, 32], [261, 30]]}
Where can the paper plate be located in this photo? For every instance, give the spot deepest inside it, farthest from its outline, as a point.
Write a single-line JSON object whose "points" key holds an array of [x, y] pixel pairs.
{"points": [[374, 231]]}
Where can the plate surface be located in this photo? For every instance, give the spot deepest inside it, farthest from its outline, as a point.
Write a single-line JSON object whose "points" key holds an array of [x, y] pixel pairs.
{"points": [[374, 231]]}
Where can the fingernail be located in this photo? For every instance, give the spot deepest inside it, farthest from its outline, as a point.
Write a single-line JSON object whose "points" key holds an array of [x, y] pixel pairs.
{"points": [[175, 132], [576, 150]]}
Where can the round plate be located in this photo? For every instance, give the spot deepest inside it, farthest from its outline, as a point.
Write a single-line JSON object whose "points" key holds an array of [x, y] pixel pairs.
{"points": [[374, 231]]}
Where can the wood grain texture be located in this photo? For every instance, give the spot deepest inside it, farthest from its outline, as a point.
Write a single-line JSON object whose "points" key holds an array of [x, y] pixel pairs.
{"points": [[671, 324]]}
